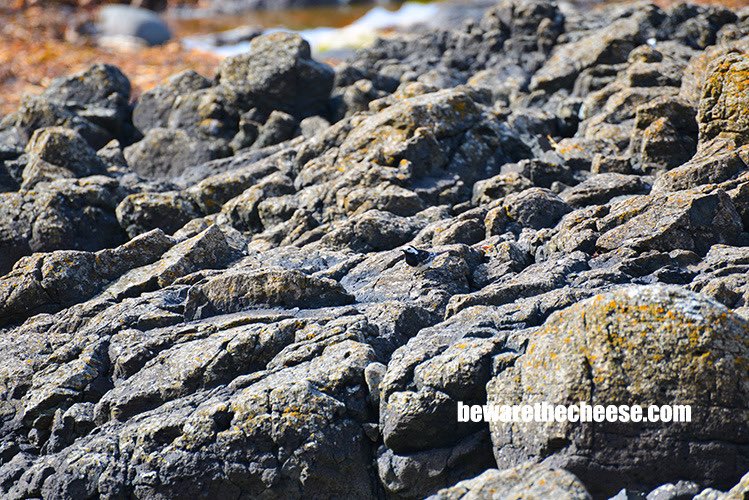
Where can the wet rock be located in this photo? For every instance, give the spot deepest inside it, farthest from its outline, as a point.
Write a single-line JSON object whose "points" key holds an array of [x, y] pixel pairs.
{"points": [[694, 327]]}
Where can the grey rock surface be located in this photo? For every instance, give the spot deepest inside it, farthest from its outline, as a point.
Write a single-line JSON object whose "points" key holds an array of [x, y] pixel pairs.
{"points": [[204, 292]]}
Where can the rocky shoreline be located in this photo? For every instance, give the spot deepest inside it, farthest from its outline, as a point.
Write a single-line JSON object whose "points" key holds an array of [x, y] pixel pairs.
{"points": [[203, 293]]}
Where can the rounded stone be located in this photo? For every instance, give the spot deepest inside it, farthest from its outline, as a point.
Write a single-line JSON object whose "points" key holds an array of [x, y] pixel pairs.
{"points": [[641, 345]]}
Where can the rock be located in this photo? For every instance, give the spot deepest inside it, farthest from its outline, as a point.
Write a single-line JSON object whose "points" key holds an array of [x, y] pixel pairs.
{"points": [[132, 22], [722, 111], [273, 287], [610, 46], [499, 186], [252, 209], [371, 231], [712, 164], [539, 172], [279, 73], [142, 212], [535, 208], [47, 282], [165, 153], [687, 220], [154, 107], [209, 114], [601, 188], [203, 291], [426, 448], [685, 490], [38, 112], [694, 25], [99, 96], [72, 214], [59, 152], [388, 198], [206, 250], [312, 125], [695, 327], [536, 279], [524, 480], [422, 473], [665, 134], [279, 127], [721, 276]]}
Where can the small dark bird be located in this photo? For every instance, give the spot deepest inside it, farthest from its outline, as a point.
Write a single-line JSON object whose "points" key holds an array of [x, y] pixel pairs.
{"points": [[416, 257]]}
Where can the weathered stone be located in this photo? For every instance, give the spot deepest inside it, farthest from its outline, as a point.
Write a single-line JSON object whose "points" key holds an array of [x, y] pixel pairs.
{"points": [[141, 212], [279, 73], [165, 153], [601, 188], [569, 360], [722, 110], [688, 220], [499, 186], [535, 208], [274, 287], [154, 107], [528, 480]]}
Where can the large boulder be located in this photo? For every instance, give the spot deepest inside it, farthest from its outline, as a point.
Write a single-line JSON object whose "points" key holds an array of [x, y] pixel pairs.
{"points": [[278, 72], [645, 345]]}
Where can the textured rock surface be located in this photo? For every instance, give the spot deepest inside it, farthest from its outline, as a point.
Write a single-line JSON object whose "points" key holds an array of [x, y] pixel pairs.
{"points": [[611, 349], [525, 481], [203, 294]]}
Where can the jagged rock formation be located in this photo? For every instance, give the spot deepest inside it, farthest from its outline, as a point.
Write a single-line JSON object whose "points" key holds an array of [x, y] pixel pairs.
{"points": [[203, 294]]}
